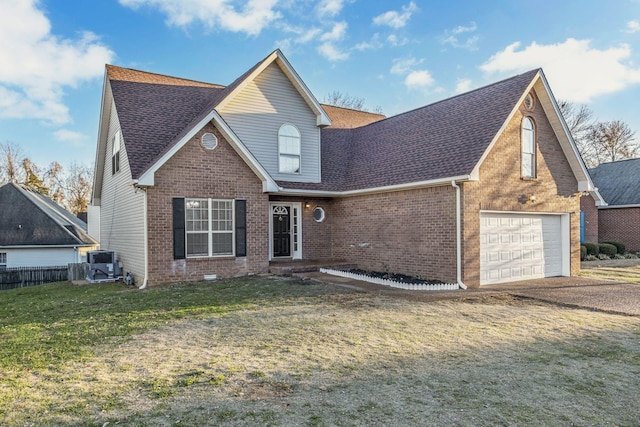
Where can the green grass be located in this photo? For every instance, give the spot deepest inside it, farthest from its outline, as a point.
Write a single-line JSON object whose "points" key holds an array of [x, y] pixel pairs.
{"points": [[272, 351], [47, 325]]}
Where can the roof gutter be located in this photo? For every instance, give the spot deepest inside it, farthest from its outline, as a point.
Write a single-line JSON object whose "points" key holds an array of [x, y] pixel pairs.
{"points": [[385, 189], [458, 235]]}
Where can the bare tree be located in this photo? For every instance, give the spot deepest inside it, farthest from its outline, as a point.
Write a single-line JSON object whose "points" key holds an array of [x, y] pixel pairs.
{"points": [[613, 141], [54, 177], [579, 119], [10, 162], [77, 187], [344, 100]]}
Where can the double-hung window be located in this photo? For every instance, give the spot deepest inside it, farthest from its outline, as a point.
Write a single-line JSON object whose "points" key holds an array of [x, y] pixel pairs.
{"points": [[289, 149], [209, 227], [528, 149], [3, 261]]}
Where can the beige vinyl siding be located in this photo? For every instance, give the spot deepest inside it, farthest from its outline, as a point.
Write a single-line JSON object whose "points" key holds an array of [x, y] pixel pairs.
{"points": [[258, 111], [122, 210]]}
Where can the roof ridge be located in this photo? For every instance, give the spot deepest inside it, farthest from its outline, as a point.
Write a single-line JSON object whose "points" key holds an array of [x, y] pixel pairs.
{"points": [[123, 70], [351, 109], [51, 210], [536, 70]]}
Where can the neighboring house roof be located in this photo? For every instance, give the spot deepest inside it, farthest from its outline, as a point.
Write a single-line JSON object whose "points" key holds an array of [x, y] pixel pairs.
{"points": [[29, 218], [618, 182]]}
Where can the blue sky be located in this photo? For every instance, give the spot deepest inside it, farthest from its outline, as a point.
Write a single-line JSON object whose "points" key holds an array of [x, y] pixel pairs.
{"points": [[397, 55]]}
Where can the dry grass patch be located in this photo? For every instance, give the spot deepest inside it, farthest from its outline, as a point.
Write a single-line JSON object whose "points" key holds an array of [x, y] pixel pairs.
{"points": [[622, 270], [315, 355]]}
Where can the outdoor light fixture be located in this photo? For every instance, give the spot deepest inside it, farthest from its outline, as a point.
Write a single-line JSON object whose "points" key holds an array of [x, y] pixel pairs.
{"points": [[307, 205], [532, 198]]}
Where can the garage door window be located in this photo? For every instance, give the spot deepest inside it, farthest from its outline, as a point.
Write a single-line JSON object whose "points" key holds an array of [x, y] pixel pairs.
{"points": [[528, 149]]}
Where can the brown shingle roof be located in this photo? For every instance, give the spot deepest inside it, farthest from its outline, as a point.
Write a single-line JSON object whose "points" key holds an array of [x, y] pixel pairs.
{"points": [[154, 110], [346, 118], [360, 150], [442, 140]]}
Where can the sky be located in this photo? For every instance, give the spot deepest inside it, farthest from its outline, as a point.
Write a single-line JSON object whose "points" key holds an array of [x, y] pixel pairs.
{"points": [[396, 55]]}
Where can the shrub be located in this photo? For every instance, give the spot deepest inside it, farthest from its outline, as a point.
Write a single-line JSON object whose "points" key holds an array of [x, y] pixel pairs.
{"points": [[619, 245], [618, 256], [603, 257], [583, 252], [607, 249], [631, 256], [592, 249], [591, 258]]}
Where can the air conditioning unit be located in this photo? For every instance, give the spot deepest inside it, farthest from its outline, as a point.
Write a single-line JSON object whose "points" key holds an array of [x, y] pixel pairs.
{"points": [[103, 267]]}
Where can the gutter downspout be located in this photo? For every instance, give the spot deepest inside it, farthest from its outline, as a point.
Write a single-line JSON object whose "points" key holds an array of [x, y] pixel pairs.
{"points": [[146, 242], [458, 237]]}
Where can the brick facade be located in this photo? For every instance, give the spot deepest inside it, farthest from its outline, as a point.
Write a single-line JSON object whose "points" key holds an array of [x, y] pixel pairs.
{"points": [[621, 224], [410, 232], [196, 172], [591, 229], [501, 188]]}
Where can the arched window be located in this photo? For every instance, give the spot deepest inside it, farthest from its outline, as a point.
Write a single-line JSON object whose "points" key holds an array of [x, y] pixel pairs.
{"points": [[528, 149], [289, 149]]}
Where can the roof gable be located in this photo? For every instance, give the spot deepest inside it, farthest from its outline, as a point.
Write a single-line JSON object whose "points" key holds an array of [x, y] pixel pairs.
{"points": [[31, 219], [618, 182]]}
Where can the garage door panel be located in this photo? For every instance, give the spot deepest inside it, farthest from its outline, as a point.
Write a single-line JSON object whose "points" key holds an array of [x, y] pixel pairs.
{"points": [[519, 246]]}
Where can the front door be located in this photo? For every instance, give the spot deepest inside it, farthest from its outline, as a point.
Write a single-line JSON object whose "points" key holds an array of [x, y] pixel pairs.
{"points": [[281, 231]]}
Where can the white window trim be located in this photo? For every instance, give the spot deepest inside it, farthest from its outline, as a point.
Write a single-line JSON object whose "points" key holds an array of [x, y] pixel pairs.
{"points": [[116, 143], [210, 232], [530, 174], [295, 215], [3, 260], [281, 154]]}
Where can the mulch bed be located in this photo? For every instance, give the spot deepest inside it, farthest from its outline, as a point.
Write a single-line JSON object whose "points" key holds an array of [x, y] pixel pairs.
{"points": [[394, 276]]}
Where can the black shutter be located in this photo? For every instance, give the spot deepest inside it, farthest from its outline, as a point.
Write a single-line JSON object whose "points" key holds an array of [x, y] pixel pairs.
{"points": [[241, 228], [179, 248]]}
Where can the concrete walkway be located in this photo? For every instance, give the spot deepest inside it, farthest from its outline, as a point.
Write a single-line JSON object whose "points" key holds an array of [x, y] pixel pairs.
{"points": [[594, 294]]}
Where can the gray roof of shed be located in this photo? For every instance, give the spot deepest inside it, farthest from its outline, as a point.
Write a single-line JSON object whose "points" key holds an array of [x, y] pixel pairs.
{"points": [[618, 182], [27, 218]]}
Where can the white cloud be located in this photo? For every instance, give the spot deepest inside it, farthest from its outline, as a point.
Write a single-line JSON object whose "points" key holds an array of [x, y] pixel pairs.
{"points": [[395, 19], [331, 52], [455, 37], [337, 32], [576, 71], [394, 41], [36, 66], [76, 139], [633, 26], [374, 43], [463, 85], [329, 7], [404, 66], [254, 16], [414, 78], [420, 79]]}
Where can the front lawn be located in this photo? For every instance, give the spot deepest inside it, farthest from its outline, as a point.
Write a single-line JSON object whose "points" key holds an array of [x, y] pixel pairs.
{"points": [[270, 351]]}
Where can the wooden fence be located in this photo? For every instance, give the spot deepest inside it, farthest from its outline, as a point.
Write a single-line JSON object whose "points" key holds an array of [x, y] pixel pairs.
{"points": [[21, 277]]}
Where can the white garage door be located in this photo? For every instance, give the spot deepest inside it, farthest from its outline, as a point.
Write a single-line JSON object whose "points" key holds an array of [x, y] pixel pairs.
{"points": [[519, 247]]}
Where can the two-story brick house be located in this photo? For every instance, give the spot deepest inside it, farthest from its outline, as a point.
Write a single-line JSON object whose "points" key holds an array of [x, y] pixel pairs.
{"points": [[196, 179]]}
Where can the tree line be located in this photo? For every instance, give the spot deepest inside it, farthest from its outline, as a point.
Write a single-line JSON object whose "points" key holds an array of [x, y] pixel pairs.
{"points": [[69, 187], [599, 142]]}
